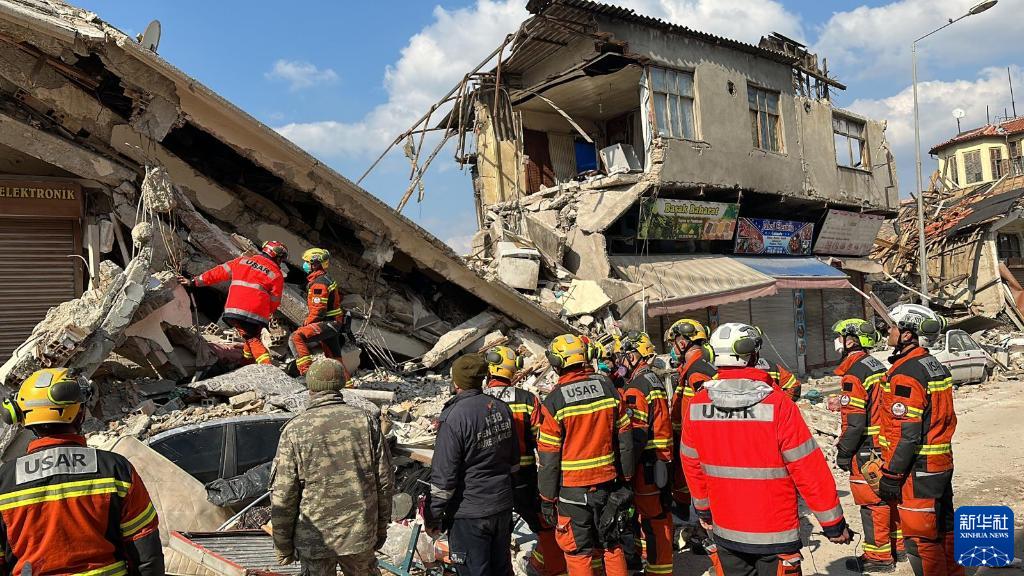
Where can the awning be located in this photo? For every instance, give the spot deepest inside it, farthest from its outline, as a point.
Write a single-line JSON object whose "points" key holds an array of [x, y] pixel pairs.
{"points": [[808, 273], [681, 283], [862, 265]]}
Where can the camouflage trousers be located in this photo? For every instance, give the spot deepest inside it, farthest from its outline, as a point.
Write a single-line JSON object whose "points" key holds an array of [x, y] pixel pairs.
{"points": [[364, 564]]}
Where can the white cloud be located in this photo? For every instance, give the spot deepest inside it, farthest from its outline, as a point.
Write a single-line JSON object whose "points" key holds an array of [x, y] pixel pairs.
{"points": [[745, 20], [874, 42], [433, 61], [300, 74], [937, 100], [438, 56]]}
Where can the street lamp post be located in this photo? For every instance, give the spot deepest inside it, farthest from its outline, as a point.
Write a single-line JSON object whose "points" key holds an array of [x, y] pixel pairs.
{"points": [[922, 248]]}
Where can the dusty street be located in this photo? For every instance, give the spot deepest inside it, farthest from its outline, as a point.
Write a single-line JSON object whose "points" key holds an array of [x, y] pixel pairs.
{"points": [[989, 471]]}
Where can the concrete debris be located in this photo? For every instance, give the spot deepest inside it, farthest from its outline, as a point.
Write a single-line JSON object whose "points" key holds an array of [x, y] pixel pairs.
{"points": [[278, 388], [456, 341], [158, 190], [584, 297]]}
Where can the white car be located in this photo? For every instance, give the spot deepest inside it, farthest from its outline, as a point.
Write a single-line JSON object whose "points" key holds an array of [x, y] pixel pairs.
{"points": [[966, 360]]}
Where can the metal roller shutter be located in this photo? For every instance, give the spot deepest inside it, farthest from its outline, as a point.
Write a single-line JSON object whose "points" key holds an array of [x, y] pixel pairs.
{"points": [[839, 305], [775, 316], [35, 274], [814, 318]]}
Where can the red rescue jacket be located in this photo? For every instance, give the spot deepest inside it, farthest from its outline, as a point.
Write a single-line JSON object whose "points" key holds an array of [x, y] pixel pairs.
{"points": [[67, 508], [256, 287], [747, 453]]}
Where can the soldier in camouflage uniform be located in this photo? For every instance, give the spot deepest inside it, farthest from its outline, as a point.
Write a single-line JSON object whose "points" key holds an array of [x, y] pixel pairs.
{"points": [[332, 482]]}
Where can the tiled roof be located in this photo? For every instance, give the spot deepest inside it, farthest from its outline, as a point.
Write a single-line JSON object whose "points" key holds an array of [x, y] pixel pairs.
{"points": [[1007, 128]]}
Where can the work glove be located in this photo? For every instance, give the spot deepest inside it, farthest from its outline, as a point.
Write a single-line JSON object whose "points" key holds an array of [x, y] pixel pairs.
{"points": [[889, 488], [844, 463], [285, 558], [549, 512], [185, 281]]}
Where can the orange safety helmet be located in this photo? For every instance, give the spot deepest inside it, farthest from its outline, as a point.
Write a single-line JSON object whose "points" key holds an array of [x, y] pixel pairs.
{"points": [[48, 396]]}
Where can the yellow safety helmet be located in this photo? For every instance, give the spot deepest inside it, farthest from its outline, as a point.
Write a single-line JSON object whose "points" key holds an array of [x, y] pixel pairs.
{"points": [[315, 257], [503, 362], [638, 342], [566, 351], [687, 328], [48, 396]]}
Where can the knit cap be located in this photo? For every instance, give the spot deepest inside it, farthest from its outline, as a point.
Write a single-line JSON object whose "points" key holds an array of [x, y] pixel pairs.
{"points": [[469, 371]]}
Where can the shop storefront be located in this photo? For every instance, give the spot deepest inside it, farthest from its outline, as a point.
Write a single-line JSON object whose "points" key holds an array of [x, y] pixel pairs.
{"points": [[40, 245]]}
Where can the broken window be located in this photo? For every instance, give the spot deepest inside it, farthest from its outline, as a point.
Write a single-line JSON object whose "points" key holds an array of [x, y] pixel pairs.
{"points": [[1009, 246], [995, 156], [673, 103], [1016, 162], [972, 166], [850, 141], [953, 169], [764, 119]]}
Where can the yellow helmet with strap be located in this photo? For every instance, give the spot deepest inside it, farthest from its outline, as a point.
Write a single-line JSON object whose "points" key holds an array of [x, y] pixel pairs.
{"points": [[48, 396], [566, 351], [503, 362], [687, 328], [639, 342]]}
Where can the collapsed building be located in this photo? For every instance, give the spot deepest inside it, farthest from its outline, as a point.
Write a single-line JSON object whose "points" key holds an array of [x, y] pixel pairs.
{"points": [[624, 163], [973, 230], [100, 136]]}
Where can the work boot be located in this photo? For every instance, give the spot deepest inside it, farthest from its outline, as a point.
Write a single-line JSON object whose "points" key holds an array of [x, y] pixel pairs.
{"points": [[901, 556], [869, 566]]}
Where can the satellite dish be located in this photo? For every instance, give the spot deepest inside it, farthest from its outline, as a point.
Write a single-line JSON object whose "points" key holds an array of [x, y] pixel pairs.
{"points": [[959, 113], [151, 37]]}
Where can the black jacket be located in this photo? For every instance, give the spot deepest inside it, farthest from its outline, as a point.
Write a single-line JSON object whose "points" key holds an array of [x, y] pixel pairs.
{"points": [[474, 457]]}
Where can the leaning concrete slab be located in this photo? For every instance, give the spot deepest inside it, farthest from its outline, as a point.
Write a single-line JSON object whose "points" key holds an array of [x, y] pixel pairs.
{"points": [[599, 209], [459, 338]]}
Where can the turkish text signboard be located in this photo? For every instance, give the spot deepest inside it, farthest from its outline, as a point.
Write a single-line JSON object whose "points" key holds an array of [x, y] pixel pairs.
{"points": [[764, 236], [848, 233], [667, 219], [49, 198]]}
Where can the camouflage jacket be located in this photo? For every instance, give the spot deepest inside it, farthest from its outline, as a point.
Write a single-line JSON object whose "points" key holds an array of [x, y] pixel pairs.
{"points": [[332, 481]]}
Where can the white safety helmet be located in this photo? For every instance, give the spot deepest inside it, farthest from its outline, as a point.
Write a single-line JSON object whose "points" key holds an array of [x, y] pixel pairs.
{"points": [[734, 342], [918, 319]]}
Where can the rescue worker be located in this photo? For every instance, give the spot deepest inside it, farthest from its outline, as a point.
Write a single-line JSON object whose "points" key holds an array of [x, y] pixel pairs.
{"points": [[475, 456], [687, 340], [860, 407], [502, 365], [647, 404], [254, 295], [783, 377], [747, 453], [332, 482], [585, 452], [67, 508], [325, 323], [918, 423]]}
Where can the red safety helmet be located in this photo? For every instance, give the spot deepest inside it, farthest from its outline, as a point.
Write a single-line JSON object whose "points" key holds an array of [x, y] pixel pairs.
{"points": [[275, 250]]}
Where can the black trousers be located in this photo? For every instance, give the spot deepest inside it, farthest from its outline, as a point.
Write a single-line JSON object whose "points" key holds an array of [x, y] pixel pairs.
{"points": [[481, 546], [742, 564]]}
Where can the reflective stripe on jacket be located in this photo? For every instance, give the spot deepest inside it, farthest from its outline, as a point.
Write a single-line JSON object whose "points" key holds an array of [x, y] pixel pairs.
{"points": [[256, 287], [860, 404], [323, 299], [918, 419], [67, 508], [525, 407], [692, 375], [647, 406], [747, 453], [585, 434]]}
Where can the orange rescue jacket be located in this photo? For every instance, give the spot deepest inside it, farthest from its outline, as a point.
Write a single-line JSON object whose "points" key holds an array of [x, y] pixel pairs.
{"points": [[322, 298]]}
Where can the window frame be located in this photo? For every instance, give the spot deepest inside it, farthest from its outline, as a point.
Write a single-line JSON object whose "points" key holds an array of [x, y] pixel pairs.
{"points": [[666, 130], [757, 130], [995, 159], [954, 166], [1008, 245], [847, 134], [980, 165]]}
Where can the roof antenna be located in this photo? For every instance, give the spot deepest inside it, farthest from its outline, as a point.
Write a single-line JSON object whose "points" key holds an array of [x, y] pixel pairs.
{"points": [[151, 37], [1013, 104], [958, 113], [988, 117]]}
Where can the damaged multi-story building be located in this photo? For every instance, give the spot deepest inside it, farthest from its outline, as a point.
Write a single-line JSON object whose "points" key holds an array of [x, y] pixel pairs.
{"points": [[687, 174], [87, 112]]}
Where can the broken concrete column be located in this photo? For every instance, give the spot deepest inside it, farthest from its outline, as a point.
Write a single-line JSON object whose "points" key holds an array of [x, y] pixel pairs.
{"points": [[587, 257], [120, 305], [459, 338], [548, 240]]}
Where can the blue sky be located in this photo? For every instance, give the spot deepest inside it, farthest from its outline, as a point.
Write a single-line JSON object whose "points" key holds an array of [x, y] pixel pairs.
{"points": [[342, 78]]}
